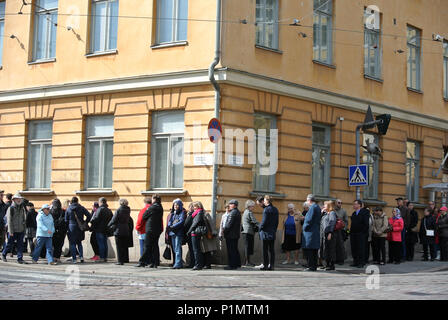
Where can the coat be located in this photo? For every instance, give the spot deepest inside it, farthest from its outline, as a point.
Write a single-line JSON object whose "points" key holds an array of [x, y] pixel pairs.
{"points": [[198, 221], [411, 236], [327, 223], [232, 228], [428, 223], [311, 228], [249, 222], [298, 224], [154, 219], [75, 234], [360, 222], [121, 221], [45, 223], [405, 215], [3, 209], [131, 232], [16, 218], [59, 221], [31, 216], [100, 219], [269, 223], [398, 225], [380, 224], [209, 245], [442, 226], [176, 223]]}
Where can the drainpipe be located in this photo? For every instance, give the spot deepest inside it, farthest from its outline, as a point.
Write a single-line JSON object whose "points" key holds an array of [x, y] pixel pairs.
{"points": [[211, 76]]}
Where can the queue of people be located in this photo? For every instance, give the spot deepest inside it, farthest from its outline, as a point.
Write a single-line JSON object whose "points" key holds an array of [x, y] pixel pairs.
{"points": [[319, 232]]}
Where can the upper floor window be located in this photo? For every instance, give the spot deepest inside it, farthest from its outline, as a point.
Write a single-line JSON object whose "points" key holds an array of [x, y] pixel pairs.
{"points": [[372, 52], [264, 182], [45, 23], [321, 160], [99, 152], [322, 31], [167, 150], [414, 57], [104, 25], [171, 20], [2, 29], [445, 69], [266, 15], [412, 170], [39, 154], [372, 161]]}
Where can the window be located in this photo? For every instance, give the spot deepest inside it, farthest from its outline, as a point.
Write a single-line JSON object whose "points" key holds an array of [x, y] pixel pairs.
{"points": [[321, 160], [264, 182], [414, 53], [167, 151], [372, 161], [172, 20], [99, 152], [445, 69], [45, 22], [322, 31], [372, 52], [39, 155], [266, 15], [104, 25], [2, 29], [412, 170]]}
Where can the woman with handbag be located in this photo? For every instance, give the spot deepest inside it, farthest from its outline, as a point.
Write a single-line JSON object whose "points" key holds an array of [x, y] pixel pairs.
{"points": [[292, 234], [427, 235], [379, 227], [394, 237], [196, 231], [249, 227], [328, 241], [120, 223], [77, 227], [208, 242]]}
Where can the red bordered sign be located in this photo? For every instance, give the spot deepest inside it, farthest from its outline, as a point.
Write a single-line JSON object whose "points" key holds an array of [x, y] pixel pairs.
{"points": [[214, 130]]}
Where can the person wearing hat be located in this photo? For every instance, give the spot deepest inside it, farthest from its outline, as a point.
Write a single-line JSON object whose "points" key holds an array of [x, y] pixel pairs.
{"points": [[31, 226], [394, 237], [232, 230], [16, 217], [442, 230], [44, 234], [3, 209]]}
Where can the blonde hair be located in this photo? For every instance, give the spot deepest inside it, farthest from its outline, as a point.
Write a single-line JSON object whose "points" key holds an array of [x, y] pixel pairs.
{"points": [[198, 204], [330, 204], [66, 203]]}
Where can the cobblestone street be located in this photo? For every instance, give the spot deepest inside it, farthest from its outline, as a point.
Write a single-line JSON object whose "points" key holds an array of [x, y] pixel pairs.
{"points": [[410, 280]]}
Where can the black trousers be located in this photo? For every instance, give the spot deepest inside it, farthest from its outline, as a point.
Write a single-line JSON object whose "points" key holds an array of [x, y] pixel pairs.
{"points": [[248, 245], [151, 252], [432, 251], [358, 245], [191, 253], [410, 244], [395, 251], [330, 250], [379, 249], [208, 259], [58, 243], [122, 249], [340, 246], [311, 255], [443, 243], [268, 249], [233, 255], [94, 244]]}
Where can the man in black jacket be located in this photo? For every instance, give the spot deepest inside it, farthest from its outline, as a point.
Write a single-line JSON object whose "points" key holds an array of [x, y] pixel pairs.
{"points": [[232, 231], [154, 225], [359, 231], [99, 223], [3, 209]]}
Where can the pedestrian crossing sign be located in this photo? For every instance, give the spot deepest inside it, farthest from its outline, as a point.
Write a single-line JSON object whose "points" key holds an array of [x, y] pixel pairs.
{"points": [[358, 175]]}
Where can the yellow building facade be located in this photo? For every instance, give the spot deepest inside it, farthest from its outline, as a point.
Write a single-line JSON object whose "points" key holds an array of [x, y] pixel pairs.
{"points": [[145, 88]]}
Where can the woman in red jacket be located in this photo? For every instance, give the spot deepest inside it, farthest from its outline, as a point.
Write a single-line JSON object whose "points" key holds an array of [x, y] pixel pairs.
{"points": [[394, 237]]}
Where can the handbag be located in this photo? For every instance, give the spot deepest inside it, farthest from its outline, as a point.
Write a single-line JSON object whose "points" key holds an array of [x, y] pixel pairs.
{"points": [[200, 230], [167, 253], [389, 228], [81, 224], [429, 233], [339, 225]]}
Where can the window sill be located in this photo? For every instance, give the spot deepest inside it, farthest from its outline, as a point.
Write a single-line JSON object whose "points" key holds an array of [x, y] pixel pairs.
{"points": [[102, 53], [42, 61], [271, 194], [37, 192], [106, 192], [373, 78], [445, 98], [332, 66], [166, 192], [169, 44], [419, 205], [324, 198], [268, 49], [415, 90], [373, 202]]}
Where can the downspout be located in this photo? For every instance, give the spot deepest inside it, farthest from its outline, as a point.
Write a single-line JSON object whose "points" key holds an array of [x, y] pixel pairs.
{"points": [[211, 76]]}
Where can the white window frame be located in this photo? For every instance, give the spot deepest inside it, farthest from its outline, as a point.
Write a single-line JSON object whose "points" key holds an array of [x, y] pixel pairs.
{"points": [[256, 178], [262, 23], [413, 163], [175, 23], [107, 22], [154, 165], [371, 53], [2, 23], [414, 49], [42, 143], [318, 13], [445, 69], [101, 158], [51, 27], [371, 191], [317, 147]]}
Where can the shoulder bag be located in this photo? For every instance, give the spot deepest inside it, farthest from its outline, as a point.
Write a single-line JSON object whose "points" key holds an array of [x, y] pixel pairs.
{"points": [[81, 224]]}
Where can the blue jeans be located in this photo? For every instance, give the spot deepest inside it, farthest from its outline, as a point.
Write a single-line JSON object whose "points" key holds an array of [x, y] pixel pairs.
{"points": [[48, 243], [73, 246], [142, 246], [198, 255], [101, 239], [16, 236], [177, 246]]}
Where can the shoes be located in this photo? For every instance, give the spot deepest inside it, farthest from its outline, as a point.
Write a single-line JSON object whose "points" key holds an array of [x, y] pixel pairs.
{"points": [[310, 269], [81, 260], [270, 269], [285, 262], [230, 268], [196, 268], [322, 267], [140, 265], [52, 263], [119, 263], [382, 263], [206, 267], [95, 258], [176, 268], [4, 258], [260, 266], [21, 262], [249, 265], [34, 261], [296, 263], [330, 268]]}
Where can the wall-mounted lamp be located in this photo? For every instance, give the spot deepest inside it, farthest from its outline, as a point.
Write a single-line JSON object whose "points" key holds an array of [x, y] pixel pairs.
{"points": [[295, 22], [398, 51]]}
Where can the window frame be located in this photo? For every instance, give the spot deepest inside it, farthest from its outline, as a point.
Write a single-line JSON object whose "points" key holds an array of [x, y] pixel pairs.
{"points": [[2, 23], [261, 23], [327, 168], [108, 23], [317, 34], [377, 52], [416, 161], [373, 164], [51, 27], [170, 136], [445, 69], [42, 157], [175, 23], [411, 48], [101, 159]]}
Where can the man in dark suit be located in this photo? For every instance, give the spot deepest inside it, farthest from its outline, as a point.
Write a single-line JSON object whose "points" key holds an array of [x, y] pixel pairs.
{"points": [[311, 233], [153, 217], [232, 230], [268, 230], [359, 231]]}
